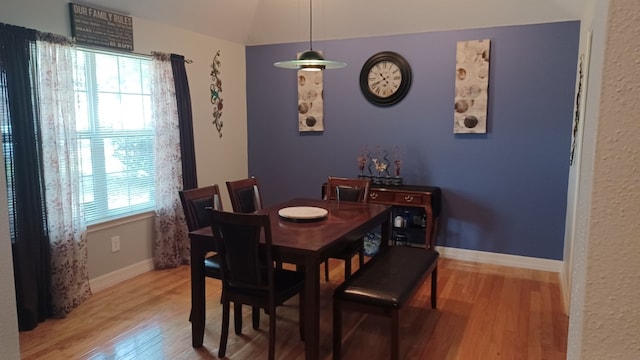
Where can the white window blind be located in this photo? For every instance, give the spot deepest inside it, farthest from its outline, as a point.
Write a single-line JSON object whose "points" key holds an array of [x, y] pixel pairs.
{"points": [[7, 149], [115, 133]]}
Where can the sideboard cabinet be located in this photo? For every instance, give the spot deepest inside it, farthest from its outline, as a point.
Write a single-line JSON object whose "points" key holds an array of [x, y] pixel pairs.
{"points": [[418, 207]]}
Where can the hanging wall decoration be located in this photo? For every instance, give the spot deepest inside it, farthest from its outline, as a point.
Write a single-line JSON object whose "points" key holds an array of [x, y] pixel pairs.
{"points": [[216, 90], [472, 85], [310, 101], [578, 119]]}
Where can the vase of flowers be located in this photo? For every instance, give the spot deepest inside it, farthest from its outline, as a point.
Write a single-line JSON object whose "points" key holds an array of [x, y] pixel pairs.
{"points": [[397, 180], [381, 167]]}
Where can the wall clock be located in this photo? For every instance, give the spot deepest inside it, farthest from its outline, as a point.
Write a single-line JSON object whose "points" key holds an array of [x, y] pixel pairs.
{"points": [[385, 78]]}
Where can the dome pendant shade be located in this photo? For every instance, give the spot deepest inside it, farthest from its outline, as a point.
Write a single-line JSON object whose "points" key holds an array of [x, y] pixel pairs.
{"points": [[310, 60]]}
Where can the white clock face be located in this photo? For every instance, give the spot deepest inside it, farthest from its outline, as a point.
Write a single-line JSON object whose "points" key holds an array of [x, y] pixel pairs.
{"points": [[384, 79]]}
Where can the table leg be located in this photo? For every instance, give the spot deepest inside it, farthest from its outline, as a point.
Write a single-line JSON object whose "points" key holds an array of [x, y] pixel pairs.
{"points": [[197, 293], [312, 309]]}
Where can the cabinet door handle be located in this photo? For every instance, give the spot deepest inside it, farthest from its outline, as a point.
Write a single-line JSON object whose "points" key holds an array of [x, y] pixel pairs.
{"points": [[408, 198], [373, 195]]}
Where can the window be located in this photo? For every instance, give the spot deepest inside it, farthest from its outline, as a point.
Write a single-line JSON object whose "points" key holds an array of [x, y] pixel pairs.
{"points": [[115, 134], [7, 148]]}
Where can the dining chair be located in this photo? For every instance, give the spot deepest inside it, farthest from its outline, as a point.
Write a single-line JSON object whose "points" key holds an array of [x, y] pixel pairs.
{"points": [[245, 195], [354, 190], [196, 204], [248, 272], [245, 198]]}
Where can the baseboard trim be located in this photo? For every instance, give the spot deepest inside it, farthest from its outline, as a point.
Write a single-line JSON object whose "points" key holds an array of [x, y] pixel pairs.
{"points": [[566, 291], [501, 259], [120, 275]]}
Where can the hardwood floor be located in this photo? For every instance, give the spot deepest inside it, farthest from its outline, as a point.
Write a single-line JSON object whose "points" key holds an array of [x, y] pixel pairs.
{"points": [[484, 312]]}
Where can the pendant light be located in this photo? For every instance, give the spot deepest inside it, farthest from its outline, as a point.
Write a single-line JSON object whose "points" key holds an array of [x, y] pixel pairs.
{"points": [[310, 60]]}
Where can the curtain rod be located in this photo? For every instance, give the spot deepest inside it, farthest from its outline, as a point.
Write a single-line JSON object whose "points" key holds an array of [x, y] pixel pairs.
{"points": [[133, 53]]}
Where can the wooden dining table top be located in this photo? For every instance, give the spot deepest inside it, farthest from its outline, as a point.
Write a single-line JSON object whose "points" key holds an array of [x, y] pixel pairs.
{"points": [[344, 219]]}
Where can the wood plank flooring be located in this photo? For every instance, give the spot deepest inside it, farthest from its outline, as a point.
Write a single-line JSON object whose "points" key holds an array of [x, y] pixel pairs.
{"points": [[484, 312]]}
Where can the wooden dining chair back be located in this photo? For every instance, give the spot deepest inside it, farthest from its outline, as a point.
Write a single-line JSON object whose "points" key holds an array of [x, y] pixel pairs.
{"points": [[248, 273], [197, 204], [245, 195], [354, 190], [346, 189]]}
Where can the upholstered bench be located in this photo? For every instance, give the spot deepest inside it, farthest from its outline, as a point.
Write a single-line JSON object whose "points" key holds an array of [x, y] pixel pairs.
{"points": [[382, 286]]}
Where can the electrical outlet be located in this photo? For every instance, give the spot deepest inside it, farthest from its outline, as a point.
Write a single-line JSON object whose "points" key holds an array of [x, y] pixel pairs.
{"points": [[115, 243]]}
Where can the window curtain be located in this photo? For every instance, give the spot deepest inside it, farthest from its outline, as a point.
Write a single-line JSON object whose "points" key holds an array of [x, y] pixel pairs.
{"points": [[66, 225], [170, 240], [185, 120], [25, 175]]}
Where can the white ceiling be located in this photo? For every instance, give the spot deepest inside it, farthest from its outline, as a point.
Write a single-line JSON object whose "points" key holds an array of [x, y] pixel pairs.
{"points": [[253, 22]]}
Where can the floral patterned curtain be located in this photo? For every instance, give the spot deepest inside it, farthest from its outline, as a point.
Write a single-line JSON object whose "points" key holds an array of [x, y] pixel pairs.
{"points": [[170, 240], [67, 229]]}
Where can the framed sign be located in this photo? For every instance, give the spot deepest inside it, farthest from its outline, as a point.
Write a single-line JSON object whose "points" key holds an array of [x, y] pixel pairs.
{"points": [[97, 27]]}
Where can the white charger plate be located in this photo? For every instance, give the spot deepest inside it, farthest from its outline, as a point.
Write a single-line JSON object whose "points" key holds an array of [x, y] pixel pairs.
{"points": [[303, 213]]}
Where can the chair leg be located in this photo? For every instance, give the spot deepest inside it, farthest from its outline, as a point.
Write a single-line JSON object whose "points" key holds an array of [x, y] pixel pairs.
{"points": [[255, 314], [434, 286], [301, 315], [225, 330], [337, 330], [326, 270], [347, 268], [237, 318], [272, 333], [361, 256]]}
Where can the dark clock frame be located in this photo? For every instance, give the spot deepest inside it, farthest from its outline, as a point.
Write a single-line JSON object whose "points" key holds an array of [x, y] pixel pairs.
{"points": [[405, 84]]}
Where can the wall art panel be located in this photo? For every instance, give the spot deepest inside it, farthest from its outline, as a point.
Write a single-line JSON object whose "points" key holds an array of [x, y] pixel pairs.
{"points": [[310, 101], [472, 85]]}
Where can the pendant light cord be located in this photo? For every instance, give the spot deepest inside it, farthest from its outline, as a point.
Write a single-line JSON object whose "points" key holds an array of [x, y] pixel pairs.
{"points": [[310, 24]]}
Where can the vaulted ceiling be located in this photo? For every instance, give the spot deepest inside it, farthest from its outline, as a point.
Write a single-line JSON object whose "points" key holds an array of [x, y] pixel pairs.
{"points": [[253, 22]]}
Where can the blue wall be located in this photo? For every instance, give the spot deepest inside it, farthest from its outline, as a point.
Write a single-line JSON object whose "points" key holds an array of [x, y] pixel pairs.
{"points": [[503, 191]]}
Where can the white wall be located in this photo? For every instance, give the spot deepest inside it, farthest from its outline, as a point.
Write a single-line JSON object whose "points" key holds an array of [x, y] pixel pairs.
{"points": [[218, 159], [605, 313], [571, 221]]}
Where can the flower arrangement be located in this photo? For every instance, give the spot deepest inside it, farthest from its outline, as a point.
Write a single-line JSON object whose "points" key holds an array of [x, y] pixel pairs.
{"points": [[380, 166], [397, 172], [379, 160], [362, 160]]}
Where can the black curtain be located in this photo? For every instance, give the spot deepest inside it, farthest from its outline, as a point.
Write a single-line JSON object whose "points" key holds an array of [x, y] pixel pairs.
{"points": [[185, 118], [25, 176]]}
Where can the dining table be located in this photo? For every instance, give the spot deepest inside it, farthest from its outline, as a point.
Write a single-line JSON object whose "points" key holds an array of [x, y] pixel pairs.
{"points": [[305, 242]]}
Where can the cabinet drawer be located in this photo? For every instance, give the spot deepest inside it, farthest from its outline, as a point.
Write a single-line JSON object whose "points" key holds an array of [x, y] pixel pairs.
{"points": [[384, 197], [410, 198]]}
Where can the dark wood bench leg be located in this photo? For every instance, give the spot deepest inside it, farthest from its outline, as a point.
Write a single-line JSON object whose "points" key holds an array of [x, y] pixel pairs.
{"points": [[395, 334], [434, 286], [337, 330]]}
